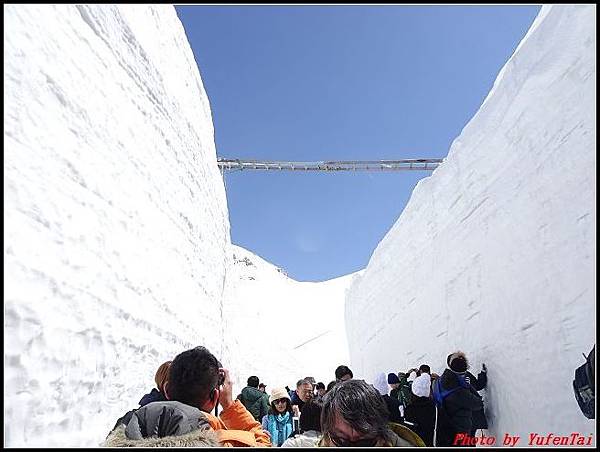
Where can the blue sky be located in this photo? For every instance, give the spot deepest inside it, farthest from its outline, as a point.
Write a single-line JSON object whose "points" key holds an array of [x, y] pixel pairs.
{"points": [[347, 82]]}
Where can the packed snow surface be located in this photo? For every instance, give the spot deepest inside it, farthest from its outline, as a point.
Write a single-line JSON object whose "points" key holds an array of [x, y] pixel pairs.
{"points": [[283, 330], [495, 252]]}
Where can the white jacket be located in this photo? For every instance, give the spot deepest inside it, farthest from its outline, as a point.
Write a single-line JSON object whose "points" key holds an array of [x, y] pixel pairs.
{"points": [[306, 439]]}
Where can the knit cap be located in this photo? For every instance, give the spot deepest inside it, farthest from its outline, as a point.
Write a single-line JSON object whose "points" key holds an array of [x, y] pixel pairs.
{"points": [[393, 378]]}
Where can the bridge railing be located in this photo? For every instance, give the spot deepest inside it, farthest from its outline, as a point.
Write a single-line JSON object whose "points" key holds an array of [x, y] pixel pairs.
{"points": [[342, 165]]}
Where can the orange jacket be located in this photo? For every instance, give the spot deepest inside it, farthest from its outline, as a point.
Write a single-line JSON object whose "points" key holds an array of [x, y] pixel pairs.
{"points": [[236, 427]]}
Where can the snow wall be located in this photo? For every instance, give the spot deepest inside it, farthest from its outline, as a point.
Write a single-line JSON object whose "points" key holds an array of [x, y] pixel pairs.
{"points": [[495, 252], [116, 238], [116, 246]]}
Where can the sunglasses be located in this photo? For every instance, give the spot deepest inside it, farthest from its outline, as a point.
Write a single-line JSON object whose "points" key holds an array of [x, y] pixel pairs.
{"points": [[342, 442], [280, 401]]}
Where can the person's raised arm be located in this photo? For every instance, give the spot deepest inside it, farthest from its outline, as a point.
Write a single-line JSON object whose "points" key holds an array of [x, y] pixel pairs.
{"points": [[235, 416], [480, 382]]}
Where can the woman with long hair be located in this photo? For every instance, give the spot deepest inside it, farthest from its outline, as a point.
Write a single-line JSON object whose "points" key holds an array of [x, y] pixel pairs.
{"points": [[279, 422]]}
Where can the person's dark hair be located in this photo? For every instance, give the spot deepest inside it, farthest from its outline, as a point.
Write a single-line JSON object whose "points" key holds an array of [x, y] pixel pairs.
{"points": [[358, 404], [288, 407], [341, 371], [193, 375], [262, 385], [320, 385], [253, 381], [424, 369], [302, 383], [310, 416], [330, 385]]}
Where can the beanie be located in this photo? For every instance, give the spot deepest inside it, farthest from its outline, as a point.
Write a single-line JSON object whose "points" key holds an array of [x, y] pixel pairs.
{"points": [[393, 378], [278, 393], [162, 374], [421, 386]]}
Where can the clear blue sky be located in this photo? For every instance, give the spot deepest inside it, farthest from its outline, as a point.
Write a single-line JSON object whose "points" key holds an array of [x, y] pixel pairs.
{"points": [[337, 83]]}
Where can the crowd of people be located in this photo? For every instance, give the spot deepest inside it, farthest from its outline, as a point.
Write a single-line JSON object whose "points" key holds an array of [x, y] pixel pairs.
{"points": [[403, 409]]}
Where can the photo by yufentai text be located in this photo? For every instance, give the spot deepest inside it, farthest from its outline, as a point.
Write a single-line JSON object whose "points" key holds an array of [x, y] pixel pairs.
{"points": [[534, 439]]}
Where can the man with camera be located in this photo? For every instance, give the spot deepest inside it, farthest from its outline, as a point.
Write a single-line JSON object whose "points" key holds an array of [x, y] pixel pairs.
{"points": [[196, 385]]}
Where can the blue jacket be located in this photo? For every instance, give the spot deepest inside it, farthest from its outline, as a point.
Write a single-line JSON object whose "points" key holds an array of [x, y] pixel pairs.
{"points": [[154, 396]]}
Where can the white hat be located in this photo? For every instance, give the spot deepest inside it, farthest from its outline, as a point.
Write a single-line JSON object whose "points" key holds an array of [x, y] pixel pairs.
{"points": [[421, 386], [381, 384], [278, 393]]}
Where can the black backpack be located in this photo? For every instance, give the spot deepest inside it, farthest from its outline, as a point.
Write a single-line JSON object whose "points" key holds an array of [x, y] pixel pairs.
{"points": [[584, 385]]}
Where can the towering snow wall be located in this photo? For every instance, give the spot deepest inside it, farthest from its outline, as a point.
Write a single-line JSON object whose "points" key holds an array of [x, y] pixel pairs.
{"points": [[116, 236], [495, 252]]}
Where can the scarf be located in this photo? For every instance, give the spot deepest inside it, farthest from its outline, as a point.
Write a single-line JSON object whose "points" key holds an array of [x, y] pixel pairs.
{"points": [[280, 427]]}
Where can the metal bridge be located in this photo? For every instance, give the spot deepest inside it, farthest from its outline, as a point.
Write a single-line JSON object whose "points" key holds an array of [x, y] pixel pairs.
{"points": [[347, 165]]}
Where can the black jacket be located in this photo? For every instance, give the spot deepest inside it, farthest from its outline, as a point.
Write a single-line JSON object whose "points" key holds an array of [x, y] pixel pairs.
{"points": [[297, 401], [479, 383], [393, 406], [458, 407], [421, 411]]}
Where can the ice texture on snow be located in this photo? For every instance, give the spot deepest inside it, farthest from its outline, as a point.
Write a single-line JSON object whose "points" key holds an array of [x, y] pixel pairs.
{"points": [[494, 253], [116, 237]]}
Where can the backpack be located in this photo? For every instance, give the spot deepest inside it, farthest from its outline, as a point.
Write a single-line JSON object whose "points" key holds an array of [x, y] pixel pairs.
{"points": [[584, 385], [439, 393], [443, 426], [405, 394]]}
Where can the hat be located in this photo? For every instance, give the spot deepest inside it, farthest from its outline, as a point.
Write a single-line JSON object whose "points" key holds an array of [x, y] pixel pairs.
{"points": [[162, 374], [278, 393], [380, 384], [262, 385], [393, 378], [421, 386], [458, 364]]}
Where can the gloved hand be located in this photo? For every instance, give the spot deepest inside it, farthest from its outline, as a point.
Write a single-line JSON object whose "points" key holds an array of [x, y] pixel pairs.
{"points": [[483, 368]]}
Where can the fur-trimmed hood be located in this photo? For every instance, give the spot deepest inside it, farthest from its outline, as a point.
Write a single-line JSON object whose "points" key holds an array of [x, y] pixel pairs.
{"points": [[197, 438], [164, 424], [457, 354], [458, 362]]}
